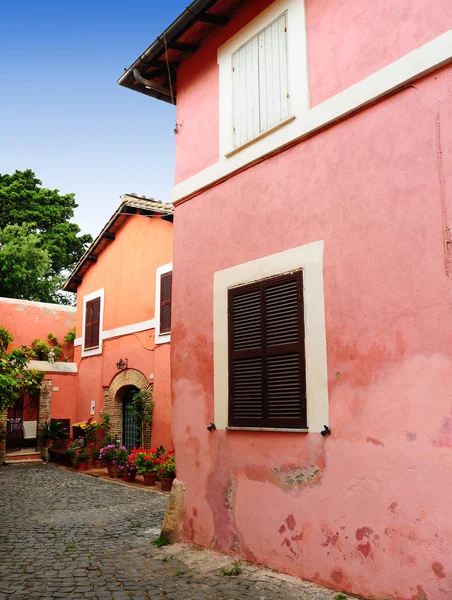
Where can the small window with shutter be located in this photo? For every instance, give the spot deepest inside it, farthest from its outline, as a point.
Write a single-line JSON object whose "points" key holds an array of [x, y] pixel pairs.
{"points": [[267, 371], [165, 302], [92, 323], [260, 83]]}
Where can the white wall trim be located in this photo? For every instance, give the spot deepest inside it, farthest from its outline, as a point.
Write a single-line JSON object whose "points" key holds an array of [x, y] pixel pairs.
{"points": [[412, 66], [98, 350], [309, 258], [160, 338], [296, 56], [123, 330], [56, 367], [129, 329]]}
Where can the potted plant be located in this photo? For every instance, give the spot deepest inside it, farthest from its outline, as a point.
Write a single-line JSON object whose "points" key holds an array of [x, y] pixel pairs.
{"points": [[147, 463], [108, 454], [116, 458], [167, 473], [51, 431], [95, 456], [75, 445], [82, 458]]}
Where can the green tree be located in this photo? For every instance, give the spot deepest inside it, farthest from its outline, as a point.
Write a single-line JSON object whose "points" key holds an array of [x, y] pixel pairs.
{"points": [[23, 200], [15, 378], [24, 265]]}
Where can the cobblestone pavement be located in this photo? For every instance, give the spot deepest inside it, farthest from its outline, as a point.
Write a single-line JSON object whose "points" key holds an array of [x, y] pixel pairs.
{"points": [[67, 535]]}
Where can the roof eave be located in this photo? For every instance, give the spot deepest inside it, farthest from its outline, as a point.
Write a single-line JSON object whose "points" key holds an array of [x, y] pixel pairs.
{"points": [[181, 24]]}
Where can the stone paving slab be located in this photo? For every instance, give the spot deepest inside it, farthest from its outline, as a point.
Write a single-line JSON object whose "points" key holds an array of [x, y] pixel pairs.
{"points": [[66, 535]]}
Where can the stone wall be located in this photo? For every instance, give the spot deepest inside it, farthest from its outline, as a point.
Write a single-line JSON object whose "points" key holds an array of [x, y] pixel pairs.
{"points": [[44, 404]]}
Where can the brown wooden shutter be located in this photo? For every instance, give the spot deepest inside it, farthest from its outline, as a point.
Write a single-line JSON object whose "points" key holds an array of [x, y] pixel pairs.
{"points": [[166, 281], [267, 381], [92, 323]]}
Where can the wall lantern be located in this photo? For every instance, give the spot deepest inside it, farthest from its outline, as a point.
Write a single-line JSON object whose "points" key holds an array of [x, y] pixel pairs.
{"points": [[122, 365]]}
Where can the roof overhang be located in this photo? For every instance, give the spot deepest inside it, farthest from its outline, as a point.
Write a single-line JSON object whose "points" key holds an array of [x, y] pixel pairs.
{"points": [[154, 72], [130, 205]]}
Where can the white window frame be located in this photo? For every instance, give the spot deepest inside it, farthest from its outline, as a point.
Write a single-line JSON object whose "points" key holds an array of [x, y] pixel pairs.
{"points": [[92, 296], [297, 75], [309, 258], [160, 338]]}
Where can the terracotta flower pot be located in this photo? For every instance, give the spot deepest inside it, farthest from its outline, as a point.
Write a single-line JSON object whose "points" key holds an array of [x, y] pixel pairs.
{"points": [[48, 443], [98, 464], [115, 471], [109, 467], [90, 463], [82, 466], [130, 476], [149, 478], [166, 483]]}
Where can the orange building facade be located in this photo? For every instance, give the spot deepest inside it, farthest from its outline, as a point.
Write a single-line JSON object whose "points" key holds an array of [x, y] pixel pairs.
{"points": [[123, 286]]}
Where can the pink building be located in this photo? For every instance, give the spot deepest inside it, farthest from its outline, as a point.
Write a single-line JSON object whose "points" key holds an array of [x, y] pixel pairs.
{"points": [[123, 322], [313, 205], [27, 321]]}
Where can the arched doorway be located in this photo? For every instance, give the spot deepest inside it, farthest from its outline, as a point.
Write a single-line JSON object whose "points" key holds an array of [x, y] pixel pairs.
{"points": [[131, 423], [116, 399]]}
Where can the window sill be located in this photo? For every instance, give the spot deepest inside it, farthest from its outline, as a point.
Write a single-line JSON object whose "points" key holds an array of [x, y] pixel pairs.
{"points": [[87, 349], [259, 137], [267, 429]]}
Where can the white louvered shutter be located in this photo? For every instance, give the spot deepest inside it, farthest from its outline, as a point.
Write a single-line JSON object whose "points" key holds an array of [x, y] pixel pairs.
{"points": [[260, 82]]}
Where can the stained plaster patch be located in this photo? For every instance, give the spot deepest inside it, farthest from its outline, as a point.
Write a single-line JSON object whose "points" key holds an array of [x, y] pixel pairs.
{"points": [[294, 476]]}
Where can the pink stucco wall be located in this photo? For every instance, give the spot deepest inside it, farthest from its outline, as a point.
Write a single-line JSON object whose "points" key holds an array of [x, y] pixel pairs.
{"points": [[347, 41], [64, 394], [29, 320], [377, 519]]}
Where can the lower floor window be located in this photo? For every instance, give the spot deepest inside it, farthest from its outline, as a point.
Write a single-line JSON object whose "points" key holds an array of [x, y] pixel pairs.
{"points": [[267, 370]]}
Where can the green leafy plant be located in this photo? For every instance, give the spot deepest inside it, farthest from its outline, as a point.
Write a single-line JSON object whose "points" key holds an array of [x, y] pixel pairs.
{"points": [[82, 456], [70, 336], [40, 350], [43, 242], [76, 445], [148, 461], [167, 469], [15, 376], [52, 430], [141, 409], [162, 540], [236, 570]]}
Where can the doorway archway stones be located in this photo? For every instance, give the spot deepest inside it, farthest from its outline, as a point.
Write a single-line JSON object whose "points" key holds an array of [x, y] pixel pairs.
{"points": [[113, 400]]}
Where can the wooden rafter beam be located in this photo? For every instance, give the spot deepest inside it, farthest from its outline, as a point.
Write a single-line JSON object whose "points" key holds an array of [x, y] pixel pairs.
{"points": [[161, 71], [183, 47], [92, 258], [213, 19], [109, 236]]}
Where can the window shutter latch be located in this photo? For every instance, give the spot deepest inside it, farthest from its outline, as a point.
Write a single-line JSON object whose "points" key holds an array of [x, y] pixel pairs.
{"points": [[212, 427]]}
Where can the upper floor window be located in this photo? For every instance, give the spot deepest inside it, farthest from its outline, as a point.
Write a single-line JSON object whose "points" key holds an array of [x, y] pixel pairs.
{"points": [[260, 83], [267, 370], [166, 280], [163, 294], [92, 323]]}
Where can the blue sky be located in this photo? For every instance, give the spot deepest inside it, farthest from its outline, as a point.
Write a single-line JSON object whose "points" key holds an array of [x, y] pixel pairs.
{"points": [[62, 113]]}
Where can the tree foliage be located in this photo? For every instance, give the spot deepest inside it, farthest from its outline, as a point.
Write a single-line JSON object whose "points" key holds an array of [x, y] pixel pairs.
{"points": [[44, 216], [15, 378], [25, 265]]}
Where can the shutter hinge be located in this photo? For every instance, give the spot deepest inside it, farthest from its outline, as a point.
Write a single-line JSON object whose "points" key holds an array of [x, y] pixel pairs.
{"points": [[285, 29], [233, 69], [287, 95], [233, 129]]}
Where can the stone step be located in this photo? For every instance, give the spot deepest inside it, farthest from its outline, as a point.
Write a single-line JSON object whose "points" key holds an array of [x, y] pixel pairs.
{"points": [[22, 457], [24, 461]]}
